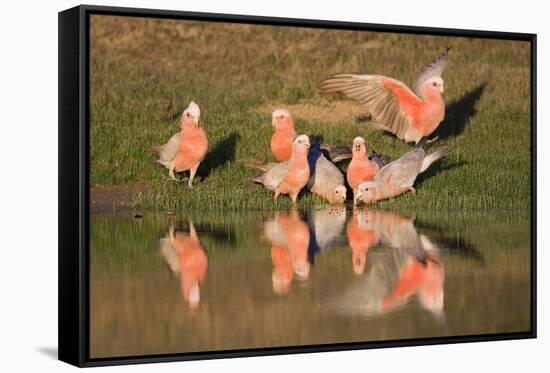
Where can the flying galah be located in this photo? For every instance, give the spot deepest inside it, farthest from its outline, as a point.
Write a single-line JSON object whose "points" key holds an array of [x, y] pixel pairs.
{"points": [[409, 114], [285, 133], [186, 149], [326, 180], [398, 177], [361, 168]]}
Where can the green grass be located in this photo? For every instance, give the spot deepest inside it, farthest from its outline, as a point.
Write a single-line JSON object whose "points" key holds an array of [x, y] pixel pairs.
{"points": [[144, 72]]}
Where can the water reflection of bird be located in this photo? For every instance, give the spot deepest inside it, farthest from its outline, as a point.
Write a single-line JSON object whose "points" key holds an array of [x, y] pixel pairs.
{"points": [[186, 257], [362, 234], [289, 237], [407, 265], [326, 226]]}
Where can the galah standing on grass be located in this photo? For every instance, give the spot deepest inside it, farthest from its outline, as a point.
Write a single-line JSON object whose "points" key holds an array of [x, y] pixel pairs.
{"points": [[398, 177], [325, 180], [285, 133], [186, 149], [361, 168], [297, 173], [409, 114]]}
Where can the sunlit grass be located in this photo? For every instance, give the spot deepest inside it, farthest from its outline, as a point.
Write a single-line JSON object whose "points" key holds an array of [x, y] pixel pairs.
{"points": [[145, 71]]}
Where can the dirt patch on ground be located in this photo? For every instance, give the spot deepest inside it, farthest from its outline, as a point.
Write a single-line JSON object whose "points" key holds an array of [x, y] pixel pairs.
{"points": [[114, 198], [332, 112]]}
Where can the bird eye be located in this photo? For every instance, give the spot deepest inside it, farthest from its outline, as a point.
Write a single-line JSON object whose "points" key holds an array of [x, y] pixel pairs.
{"points": [[434, 84], [337, 192], [188, 115]]}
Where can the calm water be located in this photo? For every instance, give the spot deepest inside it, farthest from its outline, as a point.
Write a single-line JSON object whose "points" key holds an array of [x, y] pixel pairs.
{"points": [[213, 281]]}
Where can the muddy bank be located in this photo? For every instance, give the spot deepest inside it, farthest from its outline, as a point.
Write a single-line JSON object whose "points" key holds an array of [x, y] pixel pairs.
{"points": [[114, 198]]}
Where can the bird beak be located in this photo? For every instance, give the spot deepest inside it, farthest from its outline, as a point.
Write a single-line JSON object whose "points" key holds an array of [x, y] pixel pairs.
{"points": [[357, 198], [357, 147], [441, 89], [199, 122]]}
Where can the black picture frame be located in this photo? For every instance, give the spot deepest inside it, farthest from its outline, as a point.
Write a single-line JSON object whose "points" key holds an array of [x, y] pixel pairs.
{"points": [[74, 193]]}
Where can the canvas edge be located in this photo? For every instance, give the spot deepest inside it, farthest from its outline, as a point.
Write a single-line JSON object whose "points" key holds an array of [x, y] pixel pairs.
{"points": [[74, 194]]}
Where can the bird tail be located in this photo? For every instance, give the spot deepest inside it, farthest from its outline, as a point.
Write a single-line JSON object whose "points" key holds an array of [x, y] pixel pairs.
{"points": [[257, 180], [254, 165], [422, 143], [336, 153], [154, 149], [435, 156]]}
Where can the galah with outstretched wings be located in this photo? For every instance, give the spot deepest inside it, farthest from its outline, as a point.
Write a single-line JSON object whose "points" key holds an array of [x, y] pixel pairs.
{"points": [[410, 114]]}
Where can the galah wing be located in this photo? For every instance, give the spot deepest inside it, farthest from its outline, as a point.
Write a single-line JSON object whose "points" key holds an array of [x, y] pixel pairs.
{"points": [[392, 105]]}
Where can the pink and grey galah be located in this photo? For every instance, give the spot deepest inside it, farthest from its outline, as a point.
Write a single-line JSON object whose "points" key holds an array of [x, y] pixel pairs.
{"points": [[186, 149], [284, 133], [409, 114], [398, 177], [325, 180]]}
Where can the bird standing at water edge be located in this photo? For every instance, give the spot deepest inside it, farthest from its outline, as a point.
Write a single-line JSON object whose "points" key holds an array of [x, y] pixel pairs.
{"points": [[297, 174], [186, 149], [398, 177], [394, 107], [325, 179], [361, 168]]}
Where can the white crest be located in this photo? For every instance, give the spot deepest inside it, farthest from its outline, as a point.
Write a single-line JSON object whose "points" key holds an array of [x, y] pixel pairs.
{"points": [[194, 110], [279, 112], [302, 139], [358, 139]]}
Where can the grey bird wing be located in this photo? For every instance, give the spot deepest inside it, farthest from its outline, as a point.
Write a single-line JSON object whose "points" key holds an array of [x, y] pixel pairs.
{"points": [[376, 94], [327, 176], [328, 224], [403, 171], [167, 151], [169, 254], [273, 177], [400, 233], [433, 157], [336, 153], [380, 159], [434, 69]]}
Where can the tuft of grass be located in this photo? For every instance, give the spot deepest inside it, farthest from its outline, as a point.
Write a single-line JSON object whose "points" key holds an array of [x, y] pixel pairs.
{"points": [[144, 72]]}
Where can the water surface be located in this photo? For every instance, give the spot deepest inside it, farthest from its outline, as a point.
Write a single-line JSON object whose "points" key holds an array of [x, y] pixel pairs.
{"points": [[218, 281]]}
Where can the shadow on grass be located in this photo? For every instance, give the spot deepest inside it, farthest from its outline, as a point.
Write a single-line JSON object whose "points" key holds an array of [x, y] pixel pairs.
{"points": [[224, 151], [459, 112]]}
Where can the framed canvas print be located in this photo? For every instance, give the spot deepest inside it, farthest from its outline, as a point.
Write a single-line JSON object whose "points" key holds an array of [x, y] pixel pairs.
{"points": [[237, 186]]}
